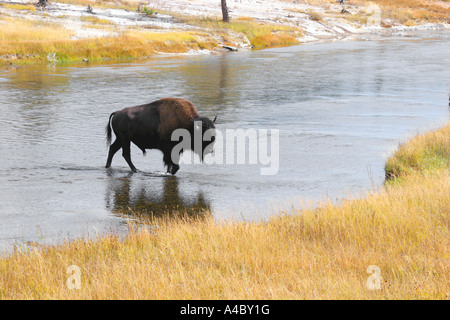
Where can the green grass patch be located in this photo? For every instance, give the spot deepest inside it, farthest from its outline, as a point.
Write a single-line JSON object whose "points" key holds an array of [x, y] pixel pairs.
{"points": [[427, 152], [260, 35]]}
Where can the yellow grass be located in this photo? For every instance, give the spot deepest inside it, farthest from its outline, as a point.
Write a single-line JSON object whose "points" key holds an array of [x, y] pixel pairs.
{"points": [[22, 31], [260, 35], [315, 16], [28, 7], [31, 42], [117, 4], [25, 42], [406, 12], [96, 20], [322, 253], [410, 12]]}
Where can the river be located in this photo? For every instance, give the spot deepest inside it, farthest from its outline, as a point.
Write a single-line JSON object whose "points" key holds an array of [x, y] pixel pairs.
{"points": [[340, 109]]}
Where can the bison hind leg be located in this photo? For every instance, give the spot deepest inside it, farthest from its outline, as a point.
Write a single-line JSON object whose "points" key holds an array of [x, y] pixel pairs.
{"points": [[126, 153], [112, 151]]}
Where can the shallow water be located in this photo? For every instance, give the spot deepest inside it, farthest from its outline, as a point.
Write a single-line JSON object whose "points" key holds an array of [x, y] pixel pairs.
{"points": [[340, 108]]}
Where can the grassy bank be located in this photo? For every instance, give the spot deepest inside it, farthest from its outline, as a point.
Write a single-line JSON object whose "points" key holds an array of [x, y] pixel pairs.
{"points": [[409, 12], [260, 35], [44, 40], [412, 12], [24, 42], [322, 253], [27, 42], [427, 153], [30, 36]]}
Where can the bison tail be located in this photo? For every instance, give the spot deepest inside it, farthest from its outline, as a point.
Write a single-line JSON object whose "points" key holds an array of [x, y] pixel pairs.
{"points": [[108, 130]]}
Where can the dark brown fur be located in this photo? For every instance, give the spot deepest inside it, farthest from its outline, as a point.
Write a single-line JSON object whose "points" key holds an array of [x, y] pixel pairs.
{"points": [[175, 113], [150, 126]]}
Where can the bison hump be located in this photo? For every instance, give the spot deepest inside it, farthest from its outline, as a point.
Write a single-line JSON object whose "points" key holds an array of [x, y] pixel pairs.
{"points": [[175, 113]]}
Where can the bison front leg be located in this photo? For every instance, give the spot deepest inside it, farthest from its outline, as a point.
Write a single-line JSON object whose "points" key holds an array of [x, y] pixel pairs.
{"points": [[172, 167]]}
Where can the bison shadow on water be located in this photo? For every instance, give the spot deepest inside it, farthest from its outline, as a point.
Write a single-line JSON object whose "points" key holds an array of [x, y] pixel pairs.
{"points": [[150, 126], [125, 196]]}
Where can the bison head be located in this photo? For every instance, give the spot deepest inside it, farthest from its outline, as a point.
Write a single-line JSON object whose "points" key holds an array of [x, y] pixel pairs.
{"points": [[203, 136]]}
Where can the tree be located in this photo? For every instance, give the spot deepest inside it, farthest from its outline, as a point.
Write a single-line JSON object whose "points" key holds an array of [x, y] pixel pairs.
{"points": [[225, 16], [42, 3]]}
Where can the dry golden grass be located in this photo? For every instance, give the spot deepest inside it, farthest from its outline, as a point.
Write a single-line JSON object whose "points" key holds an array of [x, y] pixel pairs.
{"points": [[96, 20], [321, 253], [32, 42], [260, 35], [22, 31], [17, 6], [22, 42], [315, 16], [410, 11], [406, 12], [117, 4]]}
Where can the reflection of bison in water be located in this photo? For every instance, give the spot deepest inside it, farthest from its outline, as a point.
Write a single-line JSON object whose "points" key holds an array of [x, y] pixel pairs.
{"points": [[125, 196], [150, 126]]}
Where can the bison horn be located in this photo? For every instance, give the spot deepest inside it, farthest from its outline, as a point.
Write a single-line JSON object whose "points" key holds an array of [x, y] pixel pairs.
{"points": [[215, 118]]}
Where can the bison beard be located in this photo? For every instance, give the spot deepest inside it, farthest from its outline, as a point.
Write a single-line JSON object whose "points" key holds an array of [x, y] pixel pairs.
{"points": [[150, 126]]}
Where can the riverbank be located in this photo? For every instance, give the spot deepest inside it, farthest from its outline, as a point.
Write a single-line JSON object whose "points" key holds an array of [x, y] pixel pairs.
{"points": [[336, 251], [93, 31]]}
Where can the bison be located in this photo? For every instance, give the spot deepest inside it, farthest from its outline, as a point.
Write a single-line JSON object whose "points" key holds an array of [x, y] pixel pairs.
{"points": [[150, 126]]}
